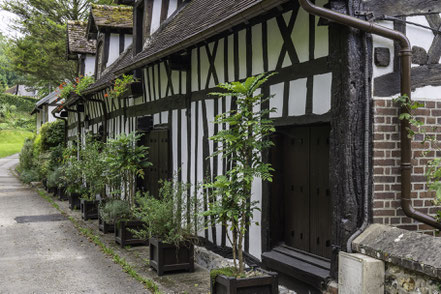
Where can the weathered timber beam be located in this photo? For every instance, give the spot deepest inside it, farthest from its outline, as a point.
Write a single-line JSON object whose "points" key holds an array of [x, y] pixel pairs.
{"points": [[425, 75], [402, 7]]}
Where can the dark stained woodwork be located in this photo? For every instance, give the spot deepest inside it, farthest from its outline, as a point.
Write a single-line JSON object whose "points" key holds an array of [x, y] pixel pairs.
{"points": [[402, 7], [434, 53], [288, 45], [346, 139], [320, 194], [148, 18], [300, 203], [158, 142], [139, 27], [212, 69], [121, 43], [164, 10], [425, 75]]}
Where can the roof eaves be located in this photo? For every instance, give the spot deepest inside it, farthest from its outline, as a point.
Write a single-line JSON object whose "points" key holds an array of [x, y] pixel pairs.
{"points": [[236, 18]]}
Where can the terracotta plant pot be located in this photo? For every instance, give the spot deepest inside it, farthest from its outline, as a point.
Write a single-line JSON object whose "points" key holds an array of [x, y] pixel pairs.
{"points": [[124, 237], [265, 284], [167, 257]]}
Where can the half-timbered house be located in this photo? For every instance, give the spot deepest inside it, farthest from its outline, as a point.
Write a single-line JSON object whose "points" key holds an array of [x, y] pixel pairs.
{"points": [[337, 140]]}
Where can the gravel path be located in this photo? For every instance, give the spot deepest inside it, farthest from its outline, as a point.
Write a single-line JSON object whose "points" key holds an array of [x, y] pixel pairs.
{"points": [[40, 252]]}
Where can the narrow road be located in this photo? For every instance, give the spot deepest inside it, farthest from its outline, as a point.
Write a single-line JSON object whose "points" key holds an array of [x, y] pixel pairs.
{"points": [[42, 252]]}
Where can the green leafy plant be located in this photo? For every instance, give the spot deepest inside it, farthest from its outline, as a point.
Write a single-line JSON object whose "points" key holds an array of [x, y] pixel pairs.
{"points": [[114, 210], [82, 83], [65, 90], [72, 176], [53, 177], [242, 142], [120, 86], [93, 168], [426, 134], [126, 161], [167, 217]]}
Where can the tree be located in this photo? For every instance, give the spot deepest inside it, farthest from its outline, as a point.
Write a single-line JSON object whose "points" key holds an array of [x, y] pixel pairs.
{"points": [[242, 142], [7, 76], [39, 54]]}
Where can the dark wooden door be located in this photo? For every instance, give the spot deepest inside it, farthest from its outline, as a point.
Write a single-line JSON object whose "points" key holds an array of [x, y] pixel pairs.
{"points": [[158, 143], [301, 158]]}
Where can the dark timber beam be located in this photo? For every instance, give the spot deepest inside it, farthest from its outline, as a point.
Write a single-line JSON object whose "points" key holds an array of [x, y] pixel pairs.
{"points": [[425, 75], [401, 7]]}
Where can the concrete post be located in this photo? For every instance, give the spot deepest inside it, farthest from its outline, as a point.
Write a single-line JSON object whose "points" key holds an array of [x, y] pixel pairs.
{"points": [[360, 274]]}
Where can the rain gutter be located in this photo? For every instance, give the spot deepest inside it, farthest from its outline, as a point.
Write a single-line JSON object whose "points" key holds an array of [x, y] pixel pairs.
{"points": [[405, 60]]}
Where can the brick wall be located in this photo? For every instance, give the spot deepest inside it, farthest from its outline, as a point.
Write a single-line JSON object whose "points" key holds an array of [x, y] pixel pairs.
{"points": [[386, 165]]}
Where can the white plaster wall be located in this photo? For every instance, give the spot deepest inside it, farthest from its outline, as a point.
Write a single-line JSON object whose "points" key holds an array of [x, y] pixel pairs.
{"points": [[51, 118], [275, 43], [321, 48], [300, 35], [256, 40], [277, 100], [128, 39], [321, 99], [89, 65], [156, 16], [297, 101], [113, 49], [172, 6]]}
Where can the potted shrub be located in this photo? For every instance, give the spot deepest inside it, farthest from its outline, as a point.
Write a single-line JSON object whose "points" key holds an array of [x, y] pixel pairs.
{"points": [[170, 224], [93, 170], [126, 161], [53, 180], [72, 177], [111, 212], [242, 142]]}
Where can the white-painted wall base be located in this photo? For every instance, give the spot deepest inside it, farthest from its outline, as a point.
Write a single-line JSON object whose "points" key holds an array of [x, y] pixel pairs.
{"points": [[360, 274]]}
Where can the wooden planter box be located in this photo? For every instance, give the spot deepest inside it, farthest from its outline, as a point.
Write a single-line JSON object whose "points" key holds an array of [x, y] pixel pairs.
{"points": [[124, 237], [168, 257], [61, 194], [134, 90], [74, 201], [105, 227], [266, 284], [52, 190], [89, 209]]}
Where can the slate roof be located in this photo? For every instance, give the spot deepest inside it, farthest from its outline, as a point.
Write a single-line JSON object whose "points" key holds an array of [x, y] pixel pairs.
{"points": [[197, 19], [108, 75], [107, 16], [50, 99], [76, 38]]}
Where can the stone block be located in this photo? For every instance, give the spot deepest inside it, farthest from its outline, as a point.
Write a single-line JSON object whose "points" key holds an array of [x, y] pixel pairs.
{"points": [[360, 274]]}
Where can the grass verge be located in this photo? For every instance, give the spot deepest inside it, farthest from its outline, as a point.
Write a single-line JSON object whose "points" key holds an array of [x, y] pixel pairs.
{"points": [[11, 141], [149, 284]]}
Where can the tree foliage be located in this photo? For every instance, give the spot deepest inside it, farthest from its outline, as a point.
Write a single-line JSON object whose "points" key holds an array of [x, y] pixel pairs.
{"points": [[39, 53]]}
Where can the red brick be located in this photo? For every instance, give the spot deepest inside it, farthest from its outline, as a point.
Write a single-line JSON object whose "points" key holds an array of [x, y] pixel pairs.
{"points": [[384, 196], [384, 212], [378, 204]]}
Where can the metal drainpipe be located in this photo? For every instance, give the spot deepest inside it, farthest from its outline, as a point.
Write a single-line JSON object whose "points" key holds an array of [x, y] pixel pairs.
{"points": [[405, 58], [103, 104], [65, 127]]}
